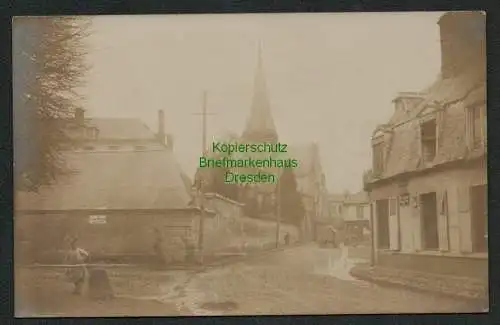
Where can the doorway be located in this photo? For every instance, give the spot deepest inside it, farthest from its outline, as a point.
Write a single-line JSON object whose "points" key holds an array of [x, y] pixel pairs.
{"points": [[382, 209], [429, 221], [479, 218]]}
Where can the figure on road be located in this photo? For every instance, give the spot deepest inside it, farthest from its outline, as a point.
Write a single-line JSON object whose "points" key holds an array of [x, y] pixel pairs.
{"points": [[77, 274]]}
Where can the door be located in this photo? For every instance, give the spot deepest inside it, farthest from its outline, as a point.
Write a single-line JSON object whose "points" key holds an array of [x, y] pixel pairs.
{"points": [[429, 219], [394, 224], [382, 207]]}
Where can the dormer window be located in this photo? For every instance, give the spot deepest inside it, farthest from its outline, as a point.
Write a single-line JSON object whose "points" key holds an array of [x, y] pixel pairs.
{"points": [[477, 126], [428, 135]]}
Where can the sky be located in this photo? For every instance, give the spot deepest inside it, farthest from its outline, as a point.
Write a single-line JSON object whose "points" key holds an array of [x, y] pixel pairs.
{"points": [[331, 78]]}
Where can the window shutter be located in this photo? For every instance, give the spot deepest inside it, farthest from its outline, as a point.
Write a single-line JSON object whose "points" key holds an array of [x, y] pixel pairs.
{"points": [[443, 227], [464, 219], [393, 224]]}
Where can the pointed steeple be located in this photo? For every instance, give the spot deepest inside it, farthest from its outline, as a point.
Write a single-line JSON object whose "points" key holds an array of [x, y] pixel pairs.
{"points": [[260, 124]]}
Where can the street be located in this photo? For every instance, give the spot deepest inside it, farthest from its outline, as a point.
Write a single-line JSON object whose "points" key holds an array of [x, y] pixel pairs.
{"points": [[303, 280], [297, 280]]}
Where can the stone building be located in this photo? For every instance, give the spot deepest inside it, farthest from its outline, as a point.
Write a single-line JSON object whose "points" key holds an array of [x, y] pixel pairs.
{"points": [[354, 211], [123, 192], [428, 184]]}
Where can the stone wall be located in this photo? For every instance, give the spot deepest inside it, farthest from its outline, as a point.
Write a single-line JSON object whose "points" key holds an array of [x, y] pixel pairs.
{"points": [[230, 230], [43, 237]]}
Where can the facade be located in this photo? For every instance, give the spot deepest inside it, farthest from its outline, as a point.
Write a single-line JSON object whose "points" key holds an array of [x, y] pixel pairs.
{"points": [[354, 211], [123, 192], [428, 183]]}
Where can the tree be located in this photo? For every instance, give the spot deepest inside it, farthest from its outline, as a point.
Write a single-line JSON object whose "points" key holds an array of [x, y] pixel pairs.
{"points": [[49, 66], [218, 185], [291, 204]]}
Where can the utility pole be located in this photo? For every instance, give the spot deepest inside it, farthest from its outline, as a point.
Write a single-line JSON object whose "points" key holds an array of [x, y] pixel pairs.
{"points": [[200, 193], [278, 212]]}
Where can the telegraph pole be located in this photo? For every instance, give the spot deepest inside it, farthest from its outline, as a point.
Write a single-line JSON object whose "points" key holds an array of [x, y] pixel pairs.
{"points": [[278, 212], [200, 193]]}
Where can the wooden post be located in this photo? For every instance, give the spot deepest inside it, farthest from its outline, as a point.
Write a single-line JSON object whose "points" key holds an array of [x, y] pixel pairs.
{"points": [[372, 233], [278, 213], [200, 190]]}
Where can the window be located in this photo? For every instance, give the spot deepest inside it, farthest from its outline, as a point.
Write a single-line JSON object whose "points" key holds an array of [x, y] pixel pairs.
{"points": [[477, 124], [139, 148], [359, 212], [429, 140], [88, 148], [113, 147], [378, 158]]}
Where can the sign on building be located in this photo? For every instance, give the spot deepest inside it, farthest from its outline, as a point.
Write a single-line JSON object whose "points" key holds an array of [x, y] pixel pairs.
{"points": [[97, 219], [404, 200]]}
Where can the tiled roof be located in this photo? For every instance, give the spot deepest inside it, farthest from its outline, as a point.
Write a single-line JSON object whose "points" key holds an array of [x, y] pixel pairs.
{"points": [[447, 98], [113, 180]]}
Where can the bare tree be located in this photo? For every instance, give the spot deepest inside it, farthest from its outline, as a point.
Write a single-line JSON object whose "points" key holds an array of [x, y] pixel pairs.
{"points": [[49, 66]]}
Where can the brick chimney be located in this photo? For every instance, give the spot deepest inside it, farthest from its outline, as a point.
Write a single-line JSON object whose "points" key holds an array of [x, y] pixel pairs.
{"points": [[462, 41], [79, 116], [161, 126]]}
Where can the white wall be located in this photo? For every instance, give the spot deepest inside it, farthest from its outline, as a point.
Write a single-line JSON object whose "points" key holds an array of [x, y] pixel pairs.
{"points": [[457, 229]]}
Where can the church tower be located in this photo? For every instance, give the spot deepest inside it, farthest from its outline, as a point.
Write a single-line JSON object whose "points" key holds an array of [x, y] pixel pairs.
{"points": [[260, 124]]}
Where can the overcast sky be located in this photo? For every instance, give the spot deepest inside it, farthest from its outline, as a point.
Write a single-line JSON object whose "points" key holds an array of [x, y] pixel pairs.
{"points": [[331, 77]]}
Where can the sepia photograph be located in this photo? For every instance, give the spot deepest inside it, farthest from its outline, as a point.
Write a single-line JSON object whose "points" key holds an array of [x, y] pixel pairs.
{"points": [[250, 164]]}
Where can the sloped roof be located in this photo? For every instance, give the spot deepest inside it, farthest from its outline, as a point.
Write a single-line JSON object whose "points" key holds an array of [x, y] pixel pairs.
{"points": [[350, 198], [121, 128], [113, 180], [403, 151]]}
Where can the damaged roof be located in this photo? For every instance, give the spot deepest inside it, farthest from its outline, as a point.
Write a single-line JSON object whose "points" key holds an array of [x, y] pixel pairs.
{"points": [[446, 98]]}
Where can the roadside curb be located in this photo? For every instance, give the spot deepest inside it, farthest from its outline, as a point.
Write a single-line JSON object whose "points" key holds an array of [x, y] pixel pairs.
{"points": [[360, 274]]}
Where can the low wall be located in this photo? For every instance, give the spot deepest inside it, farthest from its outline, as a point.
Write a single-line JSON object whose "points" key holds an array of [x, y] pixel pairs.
{"points": [[474, 267], [230, 230]]}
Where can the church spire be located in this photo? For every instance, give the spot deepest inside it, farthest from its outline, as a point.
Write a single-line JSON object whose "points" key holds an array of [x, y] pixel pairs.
{"points": [[260, 124]]}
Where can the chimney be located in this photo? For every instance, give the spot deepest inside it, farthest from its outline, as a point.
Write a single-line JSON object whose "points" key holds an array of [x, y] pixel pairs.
{"points": [[462, 36], [161, 126], [79, 116]]}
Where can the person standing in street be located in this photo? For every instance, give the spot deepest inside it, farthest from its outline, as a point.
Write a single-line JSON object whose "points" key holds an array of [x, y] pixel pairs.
{"points": [[77, 273]]}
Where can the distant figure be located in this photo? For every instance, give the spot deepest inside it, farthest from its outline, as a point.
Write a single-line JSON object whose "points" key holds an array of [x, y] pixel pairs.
{"points": [[189, 249], [78, 273], [287, 238], [158, 248], [333, 237]]}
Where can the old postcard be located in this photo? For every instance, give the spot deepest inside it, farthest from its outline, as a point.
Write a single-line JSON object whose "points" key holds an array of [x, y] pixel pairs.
{"points": [[250, 164]]}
